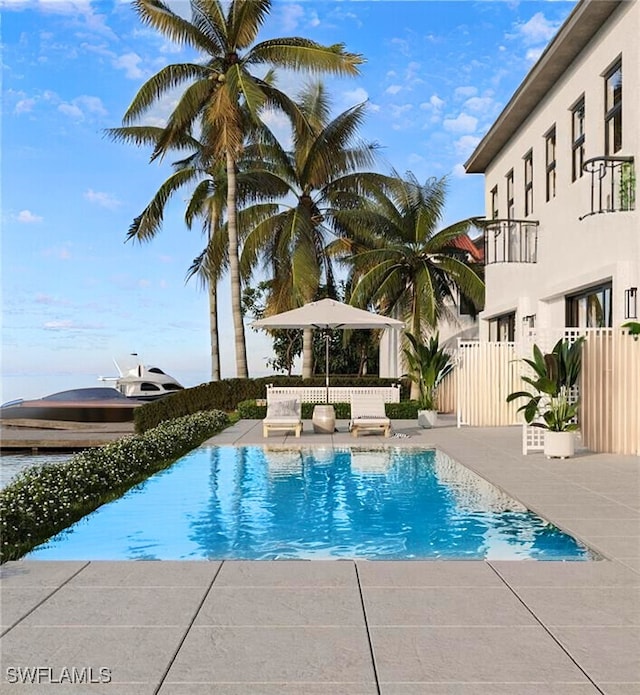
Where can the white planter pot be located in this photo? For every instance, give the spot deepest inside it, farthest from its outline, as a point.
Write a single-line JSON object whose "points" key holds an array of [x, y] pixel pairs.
{"points": [[427, 418], [559, 444]]}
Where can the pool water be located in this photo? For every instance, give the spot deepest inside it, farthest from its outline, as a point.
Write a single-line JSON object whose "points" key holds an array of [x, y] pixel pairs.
{"points": [[264, 504]]}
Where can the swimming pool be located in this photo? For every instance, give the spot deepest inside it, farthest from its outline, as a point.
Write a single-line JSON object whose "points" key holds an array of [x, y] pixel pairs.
{"points": [[258, 503]]}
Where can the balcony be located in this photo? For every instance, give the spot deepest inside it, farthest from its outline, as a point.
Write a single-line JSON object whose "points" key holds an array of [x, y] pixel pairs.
{"points": [[613, 184], [510, 241]]}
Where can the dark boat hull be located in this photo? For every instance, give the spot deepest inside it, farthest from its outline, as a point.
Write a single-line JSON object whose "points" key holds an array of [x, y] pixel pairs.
{"points": [[72, 412], [92, 405]]}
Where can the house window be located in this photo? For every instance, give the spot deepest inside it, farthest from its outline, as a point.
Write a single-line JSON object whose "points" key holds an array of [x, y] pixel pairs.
{"points": [[577, 139], [510, 199], [590, 308], [494, 203], [503, 328], [550, 149], [528, 183], [613, 110]]}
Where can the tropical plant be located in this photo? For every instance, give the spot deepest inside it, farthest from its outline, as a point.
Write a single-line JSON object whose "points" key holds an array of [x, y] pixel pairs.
{"points": [[401, 262], [550, 405], [322, 176], [222, 97], [633, 327], [428, 365]]}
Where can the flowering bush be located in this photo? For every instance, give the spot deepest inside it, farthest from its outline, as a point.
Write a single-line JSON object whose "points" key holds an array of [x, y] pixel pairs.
{"points": [[45, 499]]}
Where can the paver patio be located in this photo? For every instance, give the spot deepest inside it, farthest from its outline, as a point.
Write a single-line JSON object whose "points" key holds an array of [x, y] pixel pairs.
{"points": [[433, 627]]}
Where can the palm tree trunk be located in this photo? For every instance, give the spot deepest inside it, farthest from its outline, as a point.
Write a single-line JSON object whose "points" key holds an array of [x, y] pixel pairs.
{"points": [[307, 353], [213, 327], [213, 312], [234, 271]]}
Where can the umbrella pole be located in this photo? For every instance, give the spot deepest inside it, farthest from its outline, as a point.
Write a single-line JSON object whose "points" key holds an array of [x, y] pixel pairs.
{"points": [[326, 362]]}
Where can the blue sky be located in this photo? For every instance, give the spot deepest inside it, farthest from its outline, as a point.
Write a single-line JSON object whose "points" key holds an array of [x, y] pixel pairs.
{"points": [[74, 294]]}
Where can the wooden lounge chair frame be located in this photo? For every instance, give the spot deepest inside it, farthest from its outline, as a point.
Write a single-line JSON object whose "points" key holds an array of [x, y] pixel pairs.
{"points": [[368, 415]]}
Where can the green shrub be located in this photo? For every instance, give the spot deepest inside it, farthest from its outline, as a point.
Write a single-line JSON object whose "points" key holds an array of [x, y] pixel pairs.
{"points": [[227, 394], [46, 499], [405, 410]]}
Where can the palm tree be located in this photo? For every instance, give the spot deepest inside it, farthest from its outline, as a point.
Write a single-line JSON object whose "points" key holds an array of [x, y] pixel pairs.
{"points": [[401, 262], [207, 203], [323, 179], [222, 89]]}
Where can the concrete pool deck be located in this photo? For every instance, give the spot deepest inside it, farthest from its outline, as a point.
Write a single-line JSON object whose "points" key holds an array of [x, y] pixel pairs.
{"points": [[434, 627]]}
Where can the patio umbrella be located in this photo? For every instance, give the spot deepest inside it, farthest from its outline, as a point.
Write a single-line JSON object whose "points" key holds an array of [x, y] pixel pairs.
{"points": [[327, 314]]}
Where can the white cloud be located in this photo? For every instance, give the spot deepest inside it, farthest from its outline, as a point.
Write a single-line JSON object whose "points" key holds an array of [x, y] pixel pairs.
{"points": [[435, 103], [69, 325], [479, 104], [70, 7], [290, 17], [280, 126], [130, 63], [537, 30], [462, 92], [466, 144], [71, 110], [398, 110], [90, 104], [102, 199], [27, 217], [462, 124], [393, 89], [459, 171], [355, 96], [24, 106], [534, 53], [402, 45], [414, 158], [48, 300]]}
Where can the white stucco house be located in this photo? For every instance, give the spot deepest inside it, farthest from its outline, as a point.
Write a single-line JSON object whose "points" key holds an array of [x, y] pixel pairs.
{"points": [[562, 237]]}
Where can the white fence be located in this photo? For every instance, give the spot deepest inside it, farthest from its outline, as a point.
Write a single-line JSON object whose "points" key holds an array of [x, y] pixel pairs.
{"points": [[486, 373], [337, 394]]}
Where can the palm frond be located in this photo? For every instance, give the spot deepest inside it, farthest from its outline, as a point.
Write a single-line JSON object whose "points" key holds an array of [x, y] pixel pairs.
{"points": [[302, 54], [247, 16], [155, 87], [158, 15], [146, 225]]}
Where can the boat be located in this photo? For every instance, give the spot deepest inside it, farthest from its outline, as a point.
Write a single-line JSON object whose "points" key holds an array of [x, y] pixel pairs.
{"points": [[94, 405], [141, 382], [135, 385]]}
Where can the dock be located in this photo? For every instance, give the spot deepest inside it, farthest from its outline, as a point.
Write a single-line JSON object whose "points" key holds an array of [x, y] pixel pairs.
{"points": [[60, 436]]}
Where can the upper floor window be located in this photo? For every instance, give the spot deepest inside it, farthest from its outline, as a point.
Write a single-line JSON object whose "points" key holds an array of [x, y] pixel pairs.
{"points": [[613, 110], [550, 156], [510, 197], [577, 139], [528, 183], [494, 203]]}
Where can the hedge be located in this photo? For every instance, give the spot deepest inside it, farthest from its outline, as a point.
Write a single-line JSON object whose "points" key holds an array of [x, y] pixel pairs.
{"points": [[45, 499], [226, 394], [405, 410]]}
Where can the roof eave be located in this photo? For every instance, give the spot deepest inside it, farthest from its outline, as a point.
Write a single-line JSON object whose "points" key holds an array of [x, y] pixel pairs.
{"points": [[585, 20]]}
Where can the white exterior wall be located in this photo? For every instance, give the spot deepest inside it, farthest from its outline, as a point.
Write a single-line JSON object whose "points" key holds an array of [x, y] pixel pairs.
{"points": [[572, 254]]}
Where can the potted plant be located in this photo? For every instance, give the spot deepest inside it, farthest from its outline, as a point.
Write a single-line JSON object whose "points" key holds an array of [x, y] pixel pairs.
{"points": [[428, 365], [550, 406]]}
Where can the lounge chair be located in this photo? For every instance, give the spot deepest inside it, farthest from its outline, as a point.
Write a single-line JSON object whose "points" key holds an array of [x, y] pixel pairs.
{"points": [[283, 414], [368, 415]]}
